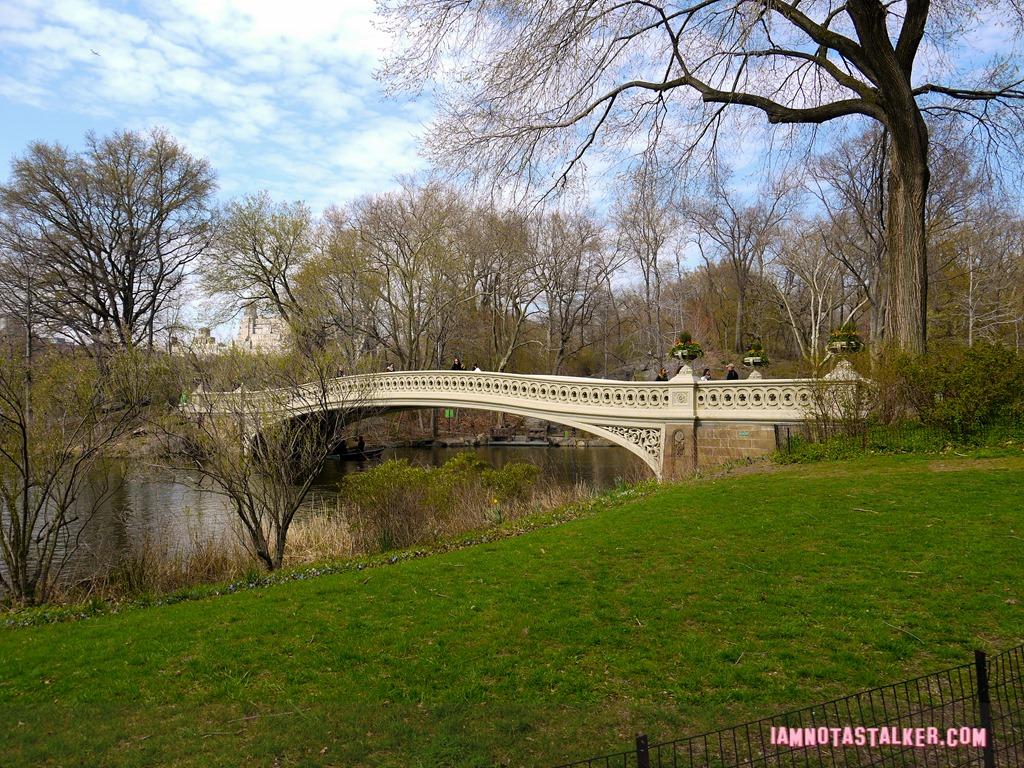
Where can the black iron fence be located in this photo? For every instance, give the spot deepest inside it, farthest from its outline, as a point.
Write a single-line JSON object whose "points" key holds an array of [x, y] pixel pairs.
{"points": [[904, 437], [970, 715], [838, 438]]}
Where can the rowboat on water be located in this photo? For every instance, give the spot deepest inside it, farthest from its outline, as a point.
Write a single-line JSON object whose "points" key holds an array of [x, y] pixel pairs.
{"points": [[354, 455]]}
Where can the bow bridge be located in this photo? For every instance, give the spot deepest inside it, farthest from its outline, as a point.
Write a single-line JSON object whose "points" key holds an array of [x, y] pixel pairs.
{"points": [[675, 426]]}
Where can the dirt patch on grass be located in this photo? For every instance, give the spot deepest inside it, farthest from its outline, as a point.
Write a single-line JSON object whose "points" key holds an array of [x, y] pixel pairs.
{"points": [[965, 464], [759, 466]]}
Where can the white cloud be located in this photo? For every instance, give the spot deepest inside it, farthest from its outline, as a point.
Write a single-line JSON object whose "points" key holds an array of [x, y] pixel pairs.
{"points": [[19, 90], [275, 94]]}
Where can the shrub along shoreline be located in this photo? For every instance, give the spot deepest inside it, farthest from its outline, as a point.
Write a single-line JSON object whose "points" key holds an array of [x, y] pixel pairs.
{"points": [[255, 578]]}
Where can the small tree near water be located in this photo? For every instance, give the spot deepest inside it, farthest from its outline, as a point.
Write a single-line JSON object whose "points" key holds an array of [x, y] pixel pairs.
{"points": [[57, 414], [248, 449]]}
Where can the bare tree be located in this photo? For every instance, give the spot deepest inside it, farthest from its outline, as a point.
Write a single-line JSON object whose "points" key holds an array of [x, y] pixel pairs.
{"points": [[739, 235], [573, 269], [117, 227], [850, 182], [808, 283], [987, 276], [415, 265], [248, 447], [539, 81], [646, 217], [335, 293], [260, 247], [413, 272], [506, 277], [702, 304], [57, 413]]}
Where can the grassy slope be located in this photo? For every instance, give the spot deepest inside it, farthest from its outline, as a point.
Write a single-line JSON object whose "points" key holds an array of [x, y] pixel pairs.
{"points": [[702, 605]]}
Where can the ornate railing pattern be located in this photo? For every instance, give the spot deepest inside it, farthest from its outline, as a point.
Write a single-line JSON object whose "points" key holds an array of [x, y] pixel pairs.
{"points": [[786, 399], [720, 399], [540, 389]]}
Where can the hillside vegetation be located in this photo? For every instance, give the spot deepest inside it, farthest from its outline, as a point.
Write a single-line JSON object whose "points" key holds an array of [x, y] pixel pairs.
{"points": [[704, 604]]}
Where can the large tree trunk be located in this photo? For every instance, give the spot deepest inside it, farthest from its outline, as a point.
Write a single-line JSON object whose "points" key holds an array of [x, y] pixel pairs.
{"points": [[906, 262], [906, 237], [737, 339]]}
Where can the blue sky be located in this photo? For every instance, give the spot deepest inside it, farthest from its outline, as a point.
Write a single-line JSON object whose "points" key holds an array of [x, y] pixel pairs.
{"points": [[278, 95]]}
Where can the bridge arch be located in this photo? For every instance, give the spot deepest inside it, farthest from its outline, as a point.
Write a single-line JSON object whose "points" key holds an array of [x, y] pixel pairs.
{"points": [[639, 441]]}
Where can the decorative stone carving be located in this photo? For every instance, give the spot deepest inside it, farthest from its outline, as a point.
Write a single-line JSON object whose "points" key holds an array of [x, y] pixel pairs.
{"points": [[843, 372], [685, 374], [679, 442], [734, 400], [647, 438]]}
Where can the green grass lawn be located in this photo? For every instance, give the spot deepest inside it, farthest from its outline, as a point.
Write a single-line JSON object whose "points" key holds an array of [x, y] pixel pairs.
{"points": [[702, 605]]}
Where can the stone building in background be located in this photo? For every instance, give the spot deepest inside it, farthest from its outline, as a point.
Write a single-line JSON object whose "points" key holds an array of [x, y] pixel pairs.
{"points": [[11, 326], [202, 343], [260, 334]]}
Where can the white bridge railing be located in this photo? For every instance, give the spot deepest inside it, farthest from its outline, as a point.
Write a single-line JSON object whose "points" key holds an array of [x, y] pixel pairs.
{"points": [[770, 400], [640, 416]]}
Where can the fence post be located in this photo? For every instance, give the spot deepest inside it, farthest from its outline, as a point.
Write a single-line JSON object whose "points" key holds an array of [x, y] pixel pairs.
{"points": [[985, 708], [643, 757]]}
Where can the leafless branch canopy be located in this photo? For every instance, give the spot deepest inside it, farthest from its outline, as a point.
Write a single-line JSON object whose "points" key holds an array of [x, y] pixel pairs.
{"points": [[528, 87], [115, 229]]}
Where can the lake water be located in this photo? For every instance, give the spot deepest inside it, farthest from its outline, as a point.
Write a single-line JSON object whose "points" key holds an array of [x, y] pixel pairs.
{"points": [[167, 505]]}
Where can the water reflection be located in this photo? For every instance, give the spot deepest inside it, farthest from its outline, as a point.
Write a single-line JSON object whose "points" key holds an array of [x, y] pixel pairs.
{"points": [[147, 501]]}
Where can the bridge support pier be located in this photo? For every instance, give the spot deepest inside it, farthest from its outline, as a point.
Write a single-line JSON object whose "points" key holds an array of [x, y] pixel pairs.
{"points": [[679, 450], [693, 445]]}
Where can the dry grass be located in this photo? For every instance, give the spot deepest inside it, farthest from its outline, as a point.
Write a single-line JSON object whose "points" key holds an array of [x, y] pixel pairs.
{"points": [[155, 567], [319, 535], [408, 518], [550, 496], [329, 529], [333, 530], [950, 465]]}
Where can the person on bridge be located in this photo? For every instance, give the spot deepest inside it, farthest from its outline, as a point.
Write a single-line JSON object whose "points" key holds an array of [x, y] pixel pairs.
{"points": [[390, 368], [732, 375], [457, 365], [477, 368], [706, 376], [662, 375]]}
